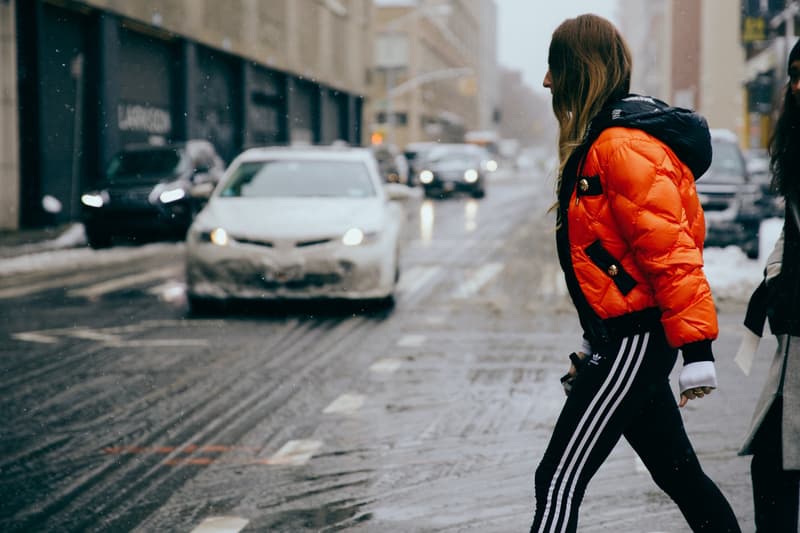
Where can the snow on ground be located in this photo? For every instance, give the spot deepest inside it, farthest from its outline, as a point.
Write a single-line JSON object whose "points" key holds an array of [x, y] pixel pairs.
{"points": [[731, 274], [72, 258]]}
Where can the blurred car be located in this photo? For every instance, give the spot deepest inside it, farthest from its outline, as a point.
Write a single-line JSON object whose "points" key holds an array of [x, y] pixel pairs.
{"points": [[449, 168], [758, 161], [731, 203], [414, 152], [151, 191], [391, 163], [297, 223]]}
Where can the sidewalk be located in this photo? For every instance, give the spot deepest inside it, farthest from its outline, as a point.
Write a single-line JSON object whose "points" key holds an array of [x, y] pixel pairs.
{"points": [[29, 241]]}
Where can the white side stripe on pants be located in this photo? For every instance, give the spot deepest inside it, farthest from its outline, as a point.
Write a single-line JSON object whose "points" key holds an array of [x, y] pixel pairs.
{"points": [[589, 429]]}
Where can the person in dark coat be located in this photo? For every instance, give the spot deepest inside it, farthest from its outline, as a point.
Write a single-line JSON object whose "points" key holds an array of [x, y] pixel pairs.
{"points": [[774, 435]]}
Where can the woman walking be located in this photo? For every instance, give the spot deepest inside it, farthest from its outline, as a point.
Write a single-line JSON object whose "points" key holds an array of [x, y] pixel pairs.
{"points": [[629, 236], [774, 436]]}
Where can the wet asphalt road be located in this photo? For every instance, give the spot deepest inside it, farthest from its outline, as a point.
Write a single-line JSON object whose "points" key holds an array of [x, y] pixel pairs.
{"points": [[122, 412]]}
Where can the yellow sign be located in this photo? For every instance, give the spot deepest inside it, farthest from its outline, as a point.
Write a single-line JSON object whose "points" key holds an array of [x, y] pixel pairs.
{"points": [[754, 29]]}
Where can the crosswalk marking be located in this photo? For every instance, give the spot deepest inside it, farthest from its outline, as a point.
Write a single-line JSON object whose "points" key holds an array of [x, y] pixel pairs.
{"points": [[99, 289], [221, 524], [345, 404], [58, 283], [478, 280], [411, 341], [295, 453], [415, 278], [170, 291], [385, 366]]}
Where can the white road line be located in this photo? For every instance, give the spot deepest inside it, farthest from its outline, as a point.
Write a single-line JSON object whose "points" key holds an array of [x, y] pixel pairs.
{"points": [[345, 404], [35, 337], [170, 291], [99, 289], [385, 366], [295, 452], [58, 283], [415, 278], [478, 280], [436, 320], [221, 524], [411, 341]]}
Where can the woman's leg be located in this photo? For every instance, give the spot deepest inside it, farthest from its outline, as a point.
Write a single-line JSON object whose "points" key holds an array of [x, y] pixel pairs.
{"points": [[590, 424], [659, 438], [775, 490]]}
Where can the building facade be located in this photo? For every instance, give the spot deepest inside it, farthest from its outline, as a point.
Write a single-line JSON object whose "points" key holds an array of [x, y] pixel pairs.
{"points": [[95, 75], [9, 131], [687, 53], [769, 31], [433, 71]]}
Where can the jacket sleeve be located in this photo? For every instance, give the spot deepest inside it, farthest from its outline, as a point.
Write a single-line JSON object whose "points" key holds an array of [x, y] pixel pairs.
{"points": [[775, 260], [642, 180]]}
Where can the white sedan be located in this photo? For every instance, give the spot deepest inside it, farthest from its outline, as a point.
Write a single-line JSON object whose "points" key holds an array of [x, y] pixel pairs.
{"points": [[298, 223]]}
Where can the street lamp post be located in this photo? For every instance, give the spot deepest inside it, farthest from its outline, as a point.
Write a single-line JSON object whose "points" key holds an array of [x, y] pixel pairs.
{"points": [[393, 55]]}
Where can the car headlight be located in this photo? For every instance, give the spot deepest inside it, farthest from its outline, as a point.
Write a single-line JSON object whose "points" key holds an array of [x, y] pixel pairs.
{"points": [[471, 175], [358, 237], [491, 165], [353, 237], [426, 176], [171, 195], [93, 200], [216, 236]]}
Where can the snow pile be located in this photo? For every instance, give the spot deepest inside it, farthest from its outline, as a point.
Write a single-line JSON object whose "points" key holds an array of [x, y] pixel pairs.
{"points": [[74, 258], [731, 274]]}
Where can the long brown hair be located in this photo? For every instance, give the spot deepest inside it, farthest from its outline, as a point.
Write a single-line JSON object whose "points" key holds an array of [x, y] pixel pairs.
{"points": [[784, 147], [590, 65]]}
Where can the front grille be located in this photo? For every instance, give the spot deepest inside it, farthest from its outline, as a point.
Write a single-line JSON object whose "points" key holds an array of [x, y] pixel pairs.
{"points": [[256, 242], [718, 203], [301, 244], [129, 198]]}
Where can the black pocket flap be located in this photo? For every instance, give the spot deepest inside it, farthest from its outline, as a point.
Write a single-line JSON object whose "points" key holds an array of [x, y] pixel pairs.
{"points": [[605, 261], [589, 186]]}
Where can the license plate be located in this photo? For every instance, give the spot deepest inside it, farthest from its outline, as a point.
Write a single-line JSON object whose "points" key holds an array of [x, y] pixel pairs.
{"points": [[286, 274], [449, 186]]}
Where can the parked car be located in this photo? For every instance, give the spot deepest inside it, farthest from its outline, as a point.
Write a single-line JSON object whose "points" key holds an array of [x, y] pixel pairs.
{"points": [[297, 223], [757, 161], [392, 164], [151, 191], [731, 203], [449, 168]]}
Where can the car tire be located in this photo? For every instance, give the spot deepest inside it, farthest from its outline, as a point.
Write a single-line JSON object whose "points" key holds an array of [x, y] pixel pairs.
{"points": [[199, 305], [98, 239], [751, 252], [478, 193]]}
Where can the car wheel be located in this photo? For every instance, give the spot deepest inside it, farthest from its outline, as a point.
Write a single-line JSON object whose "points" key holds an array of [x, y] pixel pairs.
{"points": [[97, 239], [478, 193], [203, 306], [751, 252]]}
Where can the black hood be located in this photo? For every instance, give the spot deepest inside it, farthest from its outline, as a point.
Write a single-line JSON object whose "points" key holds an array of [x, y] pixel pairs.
{"points": [[683, 130]]}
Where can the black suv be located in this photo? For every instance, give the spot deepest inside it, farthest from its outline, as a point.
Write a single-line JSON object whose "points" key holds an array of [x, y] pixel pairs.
{"points": [[731, 203], [151, 191]]}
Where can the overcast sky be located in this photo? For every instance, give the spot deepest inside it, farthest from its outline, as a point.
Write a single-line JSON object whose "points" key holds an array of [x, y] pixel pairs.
{"points": [[525, 28]]}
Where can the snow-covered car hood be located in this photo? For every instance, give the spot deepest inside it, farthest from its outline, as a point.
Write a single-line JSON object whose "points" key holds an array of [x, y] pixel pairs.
{"points": [[292, 218]]}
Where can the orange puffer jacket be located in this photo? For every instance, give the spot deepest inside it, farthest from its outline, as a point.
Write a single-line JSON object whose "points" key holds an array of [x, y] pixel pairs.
{"points": [[632, 243]]}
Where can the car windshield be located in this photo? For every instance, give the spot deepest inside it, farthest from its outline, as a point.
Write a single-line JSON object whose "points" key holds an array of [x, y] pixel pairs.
{"points": [[300, 179], [452, 159], [726, 165], [144, 165]]}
